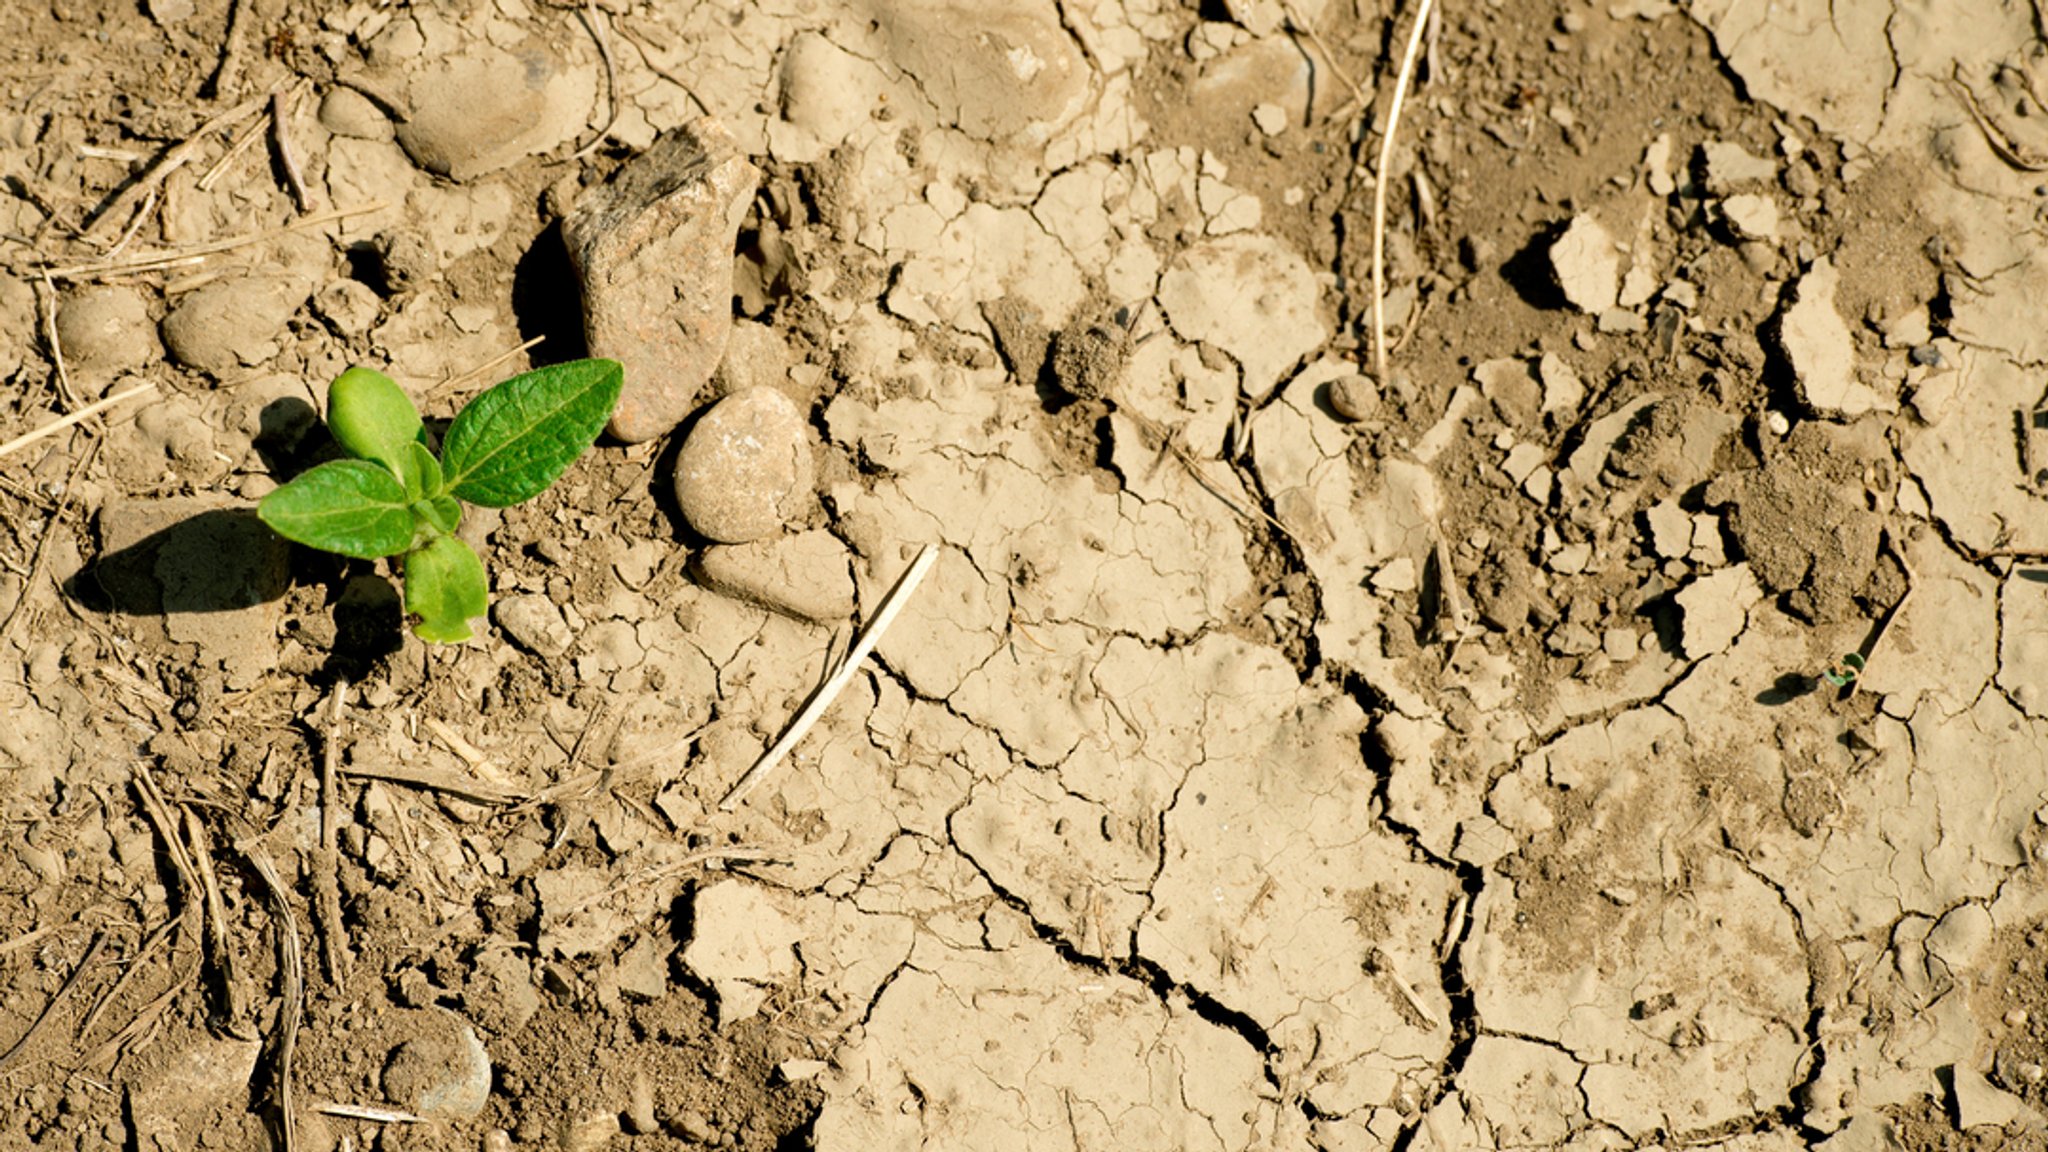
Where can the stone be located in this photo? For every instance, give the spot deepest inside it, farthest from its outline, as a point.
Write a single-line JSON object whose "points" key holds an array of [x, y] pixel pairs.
{"points": [[1753, 217], [807, 575], [1959, 938], [755, 355], [442, 1072], [1562, 389], [105, 331], [826, 90], [653, 250], [742, 944], [472, 112], [1354, 396], [534, 623], [347, 112], [349, 307], [745, 469], [1725, 167], [1816, 342], [1587, 265], [1251, 296], [233, 321], [1716, 609]]}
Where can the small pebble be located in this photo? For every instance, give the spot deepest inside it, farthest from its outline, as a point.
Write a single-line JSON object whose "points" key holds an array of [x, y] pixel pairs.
{"points": [[2016, 1018], [349, 307], [232, 321], [534, 623], [443, 1072], [745, 469], [1354, 397], [106, 331], [640, 1119], [692, 1125], [347, 112]]}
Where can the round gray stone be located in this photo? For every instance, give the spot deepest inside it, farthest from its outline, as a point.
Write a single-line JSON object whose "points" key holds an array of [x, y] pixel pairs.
{"points": [[106, 330], [745, 469]]}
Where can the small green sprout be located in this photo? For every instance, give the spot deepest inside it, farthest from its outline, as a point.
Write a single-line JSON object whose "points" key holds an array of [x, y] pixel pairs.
{"points": [[395, 498], [1843, 673]]}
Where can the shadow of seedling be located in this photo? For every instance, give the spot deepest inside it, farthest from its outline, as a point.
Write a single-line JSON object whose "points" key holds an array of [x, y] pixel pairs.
{"points": [[202, 568], [177, 556]]}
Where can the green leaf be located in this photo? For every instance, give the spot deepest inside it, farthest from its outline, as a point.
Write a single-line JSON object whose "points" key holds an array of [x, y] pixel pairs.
{"points": [[352, 507], [511, 442], [373, 418], [444, 588], [443, 513], [422, 475]]}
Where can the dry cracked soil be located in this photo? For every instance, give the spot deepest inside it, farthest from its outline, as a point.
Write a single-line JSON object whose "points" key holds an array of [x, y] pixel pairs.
{"points": [[1620, 721]]}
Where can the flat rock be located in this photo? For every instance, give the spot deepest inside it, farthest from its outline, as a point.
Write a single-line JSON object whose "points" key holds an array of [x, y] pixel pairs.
{"points": [[806, 575], [1252, 296], [1817, 343], [1005, 73], [1753, 217], [1725, 167], [534, 623], [745, 469], [232, 322], [1716, 608], [1587, 265], [347, 112], [106, 331], [442, 1072], [653, 250], [483, 108], [742, 943]]}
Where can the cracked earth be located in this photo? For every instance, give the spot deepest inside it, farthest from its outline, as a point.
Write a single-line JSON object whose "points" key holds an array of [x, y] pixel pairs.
{"points": [[1624, 726]]}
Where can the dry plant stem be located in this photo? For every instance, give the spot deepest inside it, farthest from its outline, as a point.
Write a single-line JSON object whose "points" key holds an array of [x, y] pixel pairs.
{"points": [[2000, 141], [486, 367], [370, 1114], [473, 790], [287, 156], [1296, 20], [172, 159], [99, 269], [35, 564], [46, 300], [134, 223], [110, 1052], [327, 921], [594, 25], [92, 950], [136, 964], [242, 144], [233, 992], [885, 615], [291, 967], [230, 67], [78, 417], [1379, 192]]}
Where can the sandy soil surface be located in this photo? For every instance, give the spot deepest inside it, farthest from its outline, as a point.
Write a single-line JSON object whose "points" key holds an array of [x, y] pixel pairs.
{"points": [[1620, 724]]}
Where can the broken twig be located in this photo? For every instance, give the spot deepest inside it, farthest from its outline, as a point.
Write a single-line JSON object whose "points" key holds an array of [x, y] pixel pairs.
{"points": [[885, 615], [1379, 194], [327, 922], [291, 966], [287, 156], [70, 982], [78, 417], [172, 159]]}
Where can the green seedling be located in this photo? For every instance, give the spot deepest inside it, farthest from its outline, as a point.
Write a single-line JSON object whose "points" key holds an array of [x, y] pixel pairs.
{"points": [[396, 498], [1843, 673]]}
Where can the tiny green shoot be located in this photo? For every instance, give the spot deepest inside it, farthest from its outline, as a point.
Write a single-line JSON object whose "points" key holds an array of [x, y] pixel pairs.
{"points": [[1843, 673], [394, 497]]}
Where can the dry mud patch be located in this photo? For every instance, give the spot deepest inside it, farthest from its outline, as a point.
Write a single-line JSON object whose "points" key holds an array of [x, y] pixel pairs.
{"points": [[1272, 757]]}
